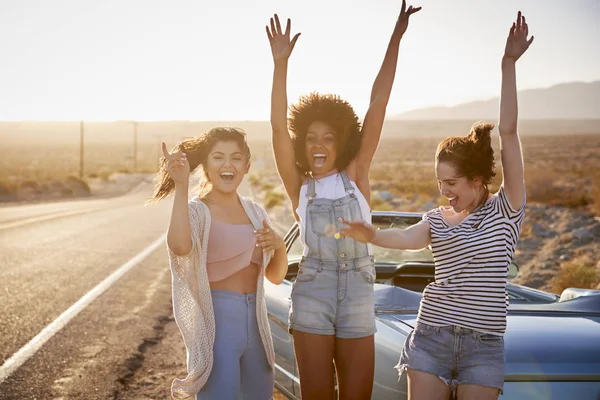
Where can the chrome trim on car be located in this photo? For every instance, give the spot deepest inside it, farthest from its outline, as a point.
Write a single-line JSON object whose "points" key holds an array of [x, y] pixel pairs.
{"points": [[283, 371], [552, 378]]}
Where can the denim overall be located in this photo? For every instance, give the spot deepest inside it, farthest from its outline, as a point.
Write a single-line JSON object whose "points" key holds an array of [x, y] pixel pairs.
{"points": [[333, 291]]}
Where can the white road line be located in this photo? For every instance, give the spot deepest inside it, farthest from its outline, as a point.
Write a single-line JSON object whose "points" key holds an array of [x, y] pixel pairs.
{"points": [[15, 224], [37, 342], [283, 371]]}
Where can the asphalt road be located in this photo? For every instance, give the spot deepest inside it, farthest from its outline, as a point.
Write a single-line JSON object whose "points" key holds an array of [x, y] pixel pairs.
{"points": [[51, 256], [85, 300]]}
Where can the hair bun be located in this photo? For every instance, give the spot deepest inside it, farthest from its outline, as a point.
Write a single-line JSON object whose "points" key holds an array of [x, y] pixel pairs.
{"points": [[481, 134]]}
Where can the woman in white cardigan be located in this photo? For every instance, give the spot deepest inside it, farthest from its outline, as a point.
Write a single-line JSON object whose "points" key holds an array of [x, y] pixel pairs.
{"points": [[221, 248]]}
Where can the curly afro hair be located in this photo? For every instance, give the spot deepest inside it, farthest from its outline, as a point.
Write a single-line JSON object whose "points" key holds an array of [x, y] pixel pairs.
{"points": [[335, 112], [472, 155]]}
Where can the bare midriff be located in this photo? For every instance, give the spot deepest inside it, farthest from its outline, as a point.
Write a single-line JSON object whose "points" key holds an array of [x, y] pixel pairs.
{"points": [[243, 281]]}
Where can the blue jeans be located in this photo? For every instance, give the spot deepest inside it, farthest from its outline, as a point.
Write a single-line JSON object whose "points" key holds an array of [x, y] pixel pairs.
{"points": [[240, 367], [456, 355]]}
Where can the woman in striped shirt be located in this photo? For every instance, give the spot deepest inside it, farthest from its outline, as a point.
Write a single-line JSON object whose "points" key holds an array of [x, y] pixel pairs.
{"points": [[457, 343]]}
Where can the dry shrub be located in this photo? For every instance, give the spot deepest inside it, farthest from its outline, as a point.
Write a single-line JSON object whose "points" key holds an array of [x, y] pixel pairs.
{"points": [[539, 186], [30, 184], [273, 199], [8, 188], [378, 204], [104, 174], [543, 188], [254, 179], [578, 273], [596, 195], [267, 186], [380, 173], [75, 182], [526, 229]]}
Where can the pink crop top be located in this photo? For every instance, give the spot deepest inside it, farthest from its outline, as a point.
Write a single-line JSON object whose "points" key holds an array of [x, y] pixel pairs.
{"points": [[231, 248]]}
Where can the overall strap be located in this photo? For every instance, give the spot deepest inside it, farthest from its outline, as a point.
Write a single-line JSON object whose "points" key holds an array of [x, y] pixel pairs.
{"points": [[347, 184], [310, 192]]}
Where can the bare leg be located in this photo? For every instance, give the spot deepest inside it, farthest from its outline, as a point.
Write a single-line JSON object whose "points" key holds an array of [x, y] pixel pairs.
{"points": [[476, 392], [355, 366], [424, 386], [314, 354]]}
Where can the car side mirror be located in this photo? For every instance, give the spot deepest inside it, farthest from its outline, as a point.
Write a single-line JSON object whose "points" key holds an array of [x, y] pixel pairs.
{"points": [[513, 271]]}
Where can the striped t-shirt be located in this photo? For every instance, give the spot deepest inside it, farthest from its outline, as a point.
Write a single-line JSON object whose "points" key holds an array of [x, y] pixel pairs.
{"points": [[471, 264]]}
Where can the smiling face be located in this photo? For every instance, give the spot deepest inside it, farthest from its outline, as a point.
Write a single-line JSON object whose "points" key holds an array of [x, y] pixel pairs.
{"points": [[320, 147], [462, 193], [226, 166]]}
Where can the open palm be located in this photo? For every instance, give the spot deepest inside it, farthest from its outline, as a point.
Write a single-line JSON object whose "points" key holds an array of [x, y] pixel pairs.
{"points": [[281, 45], [517, 43]]}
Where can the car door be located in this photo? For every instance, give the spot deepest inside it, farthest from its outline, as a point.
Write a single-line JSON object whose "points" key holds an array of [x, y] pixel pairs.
{"points": [[278, 308]]}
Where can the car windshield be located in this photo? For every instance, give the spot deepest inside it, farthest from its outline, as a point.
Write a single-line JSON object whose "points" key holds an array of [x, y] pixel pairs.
{"points": [[393, 256]]}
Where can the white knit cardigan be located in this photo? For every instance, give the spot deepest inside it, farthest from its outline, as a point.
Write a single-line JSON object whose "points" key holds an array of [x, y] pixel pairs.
{"points": [[192, 301]]}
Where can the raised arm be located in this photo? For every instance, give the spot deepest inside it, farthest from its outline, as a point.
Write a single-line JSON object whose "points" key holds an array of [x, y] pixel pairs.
{"points": [[179, 236], [415, 237], [510, 145], [283, 149], [380, 95]]}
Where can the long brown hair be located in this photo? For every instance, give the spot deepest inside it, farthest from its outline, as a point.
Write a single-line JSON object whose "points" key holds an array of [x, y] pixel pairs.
{"points": [[197, 150]]}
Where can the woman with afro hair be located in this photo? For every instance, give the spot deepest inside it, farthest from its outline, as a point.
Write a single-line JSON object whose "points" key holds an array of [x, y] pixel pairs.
{"points": [[324, 165]]}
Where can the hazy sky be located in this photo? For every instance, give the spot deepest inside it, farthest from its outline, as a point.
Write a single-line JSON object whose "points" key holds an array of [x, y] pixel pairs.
{"points": [[198, 60]]}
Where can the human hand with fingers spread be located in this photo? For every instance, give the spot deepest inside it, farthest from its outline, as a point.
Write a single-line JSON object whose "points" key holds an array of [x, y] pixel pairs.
{"points": [[281, 45], [268, 239], [360, 231], [517, 42], [176, 164]]}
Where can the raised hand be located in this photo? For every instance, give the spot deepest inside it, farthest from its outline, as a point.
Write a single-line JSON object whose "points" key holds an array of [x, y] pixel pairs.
{"points": [[268, 239], [177, 165], [360, 231], [517, 43], [281, 45], [402, 23]]}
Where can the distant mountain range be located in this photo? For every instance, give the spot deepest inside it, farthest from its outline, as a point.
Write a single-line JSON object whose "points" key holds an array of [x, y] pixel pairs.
{"points": [[568, 108], [575, 100]]}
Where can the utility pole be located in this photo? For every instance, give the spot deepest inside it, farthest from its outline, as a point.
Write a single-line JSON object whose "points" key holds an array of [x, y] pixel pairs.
{"points": [[135, 145], [81, 150], [158, 149]]}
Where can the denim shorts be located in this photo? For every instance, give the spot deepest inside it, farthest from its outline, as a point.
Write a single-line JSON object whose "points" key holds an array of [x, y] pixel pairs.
{"points": [[334, 298], [456, 355]]}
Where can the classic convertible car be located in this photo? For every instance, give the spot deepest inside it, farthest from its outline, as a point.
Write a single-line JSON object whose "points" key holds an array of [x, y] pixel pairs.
{"points": [[552, 342]]}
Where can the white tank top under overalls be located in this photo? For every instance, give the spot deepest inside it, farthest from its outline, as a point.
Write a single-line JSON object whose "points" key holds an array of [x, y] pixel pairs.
{"points": [[331, 187]]}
